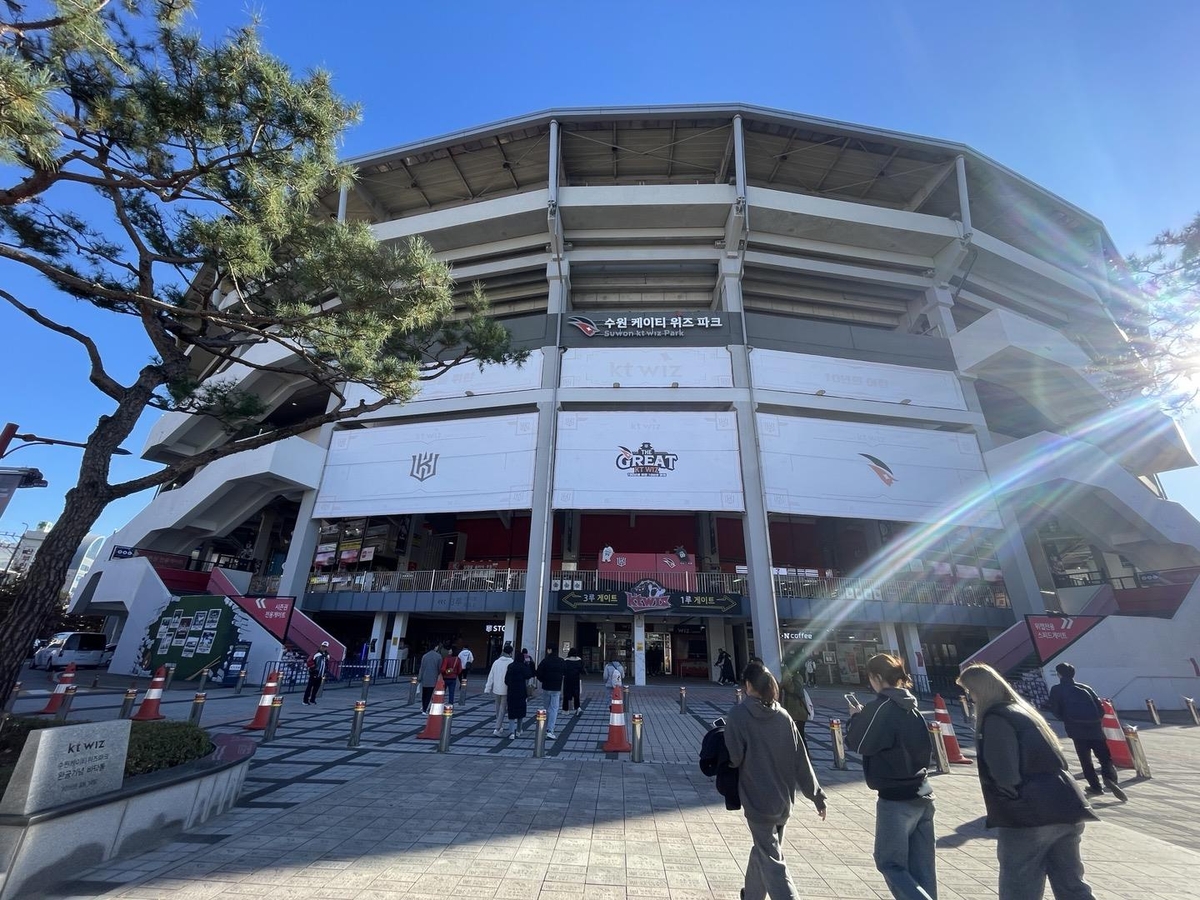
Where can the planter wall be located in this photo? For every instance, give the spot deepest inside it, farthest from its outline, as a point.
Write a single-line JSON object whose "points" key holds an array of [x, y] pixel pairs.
{"points": [[40, 850]]}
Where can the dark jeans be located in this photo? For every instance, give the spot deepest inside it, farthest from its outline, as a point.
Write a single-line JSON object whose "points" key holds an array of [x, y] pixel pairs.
{"points": [[766, 872], [451, 684], [311, 689], [1084, 749], [426, 696], [570, 694], [1028, 856], [904, 847]]}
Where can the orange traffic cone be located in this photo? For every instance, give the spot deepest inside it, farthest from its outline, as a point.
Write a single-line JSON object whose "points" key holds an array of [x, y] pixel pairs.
{"points": [[618, 740], [56, 699], [1114, 736], [148, 711], [262, 714], [942, 716], [437, 706]]}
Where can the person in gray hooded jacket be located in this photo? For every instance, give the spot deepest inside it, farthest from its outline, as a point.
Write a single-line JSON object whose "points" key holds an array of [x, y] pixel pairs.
{"points": [[893, 739], [772, 763]]}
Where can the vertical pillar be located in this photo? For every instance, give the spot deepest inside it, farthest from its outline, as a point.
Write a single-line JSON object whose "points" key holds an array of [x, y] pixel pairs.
{"points": [[916, 656], [293, 582], [510, 630], [262, 540], [375, 649], [887, 633], [398, 630], [639, 650], [566, 631]]}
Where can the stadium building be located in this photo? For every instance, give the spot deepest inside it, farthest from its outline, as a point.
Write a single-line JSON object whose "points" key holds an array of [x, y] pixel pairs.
{"points": [[796, 388]]}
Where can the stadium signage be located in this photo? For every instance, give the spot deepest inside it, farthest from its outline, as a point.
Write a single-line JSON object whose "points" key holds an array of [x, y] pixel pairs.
{"points": [[642, 326], [646, 462]]}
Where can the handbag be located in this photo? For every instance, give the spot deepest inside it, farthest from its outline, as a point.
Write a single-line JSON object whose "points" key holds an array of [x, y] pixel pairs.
{"points": [[531, 690]]}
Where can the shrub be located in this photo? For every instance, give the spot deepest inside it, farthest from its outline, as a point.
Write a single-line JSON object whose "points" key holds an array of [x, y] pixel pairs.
{"points": [[161, 745]]}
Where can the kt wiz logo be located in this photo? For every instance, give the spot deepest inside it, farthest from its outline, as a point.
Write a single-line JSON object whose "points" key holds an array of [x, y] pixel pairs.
{"points": [[880, 468], [646, 461], [424, 466]]}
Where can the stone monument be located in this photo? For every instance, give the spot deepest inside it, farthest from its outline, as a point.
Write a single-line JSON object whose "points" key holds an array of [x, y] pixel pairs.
{"points": [[65, 764]]}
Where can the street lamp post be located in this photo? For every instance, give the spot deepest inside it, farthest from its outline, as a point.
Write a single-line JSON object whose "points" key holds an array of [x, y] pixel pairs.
{"points": [[13, 478], [9, 432]]}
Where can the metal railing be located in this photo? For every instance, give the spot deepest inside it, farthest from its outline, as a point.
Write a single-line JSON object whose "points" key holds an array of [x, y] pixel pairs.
{"points": [[294, 673], [182, 562], [267, 585], [432, 580], [956, 593], [1159, 578], [676, 582]]}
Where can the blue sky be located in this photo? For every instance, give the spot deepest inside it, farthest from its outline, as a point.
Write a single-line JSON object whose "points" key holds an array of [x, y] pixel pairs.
{"points": [[1096, 102]]}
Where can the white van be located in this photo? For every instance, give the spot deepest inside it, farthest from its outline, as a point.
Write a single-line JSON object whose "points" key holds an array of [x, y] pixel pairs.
{"points": [[84, 648]]}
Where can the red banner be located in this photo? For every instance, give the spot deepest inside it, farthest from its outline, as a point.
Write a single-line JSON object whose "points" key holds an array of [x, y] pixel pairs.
{"points": [[1052, 634], [271, 613]]}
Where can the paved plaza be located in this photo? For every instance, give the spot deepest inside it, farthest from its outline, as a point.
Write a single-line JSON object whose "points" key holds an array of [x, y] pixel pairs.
{"points": [[394, 818]]}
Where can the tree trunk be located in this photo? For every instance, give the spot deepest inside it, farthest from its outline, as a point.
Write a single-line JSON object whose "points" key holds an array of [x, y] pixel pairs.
{"points": [[40, 590]]}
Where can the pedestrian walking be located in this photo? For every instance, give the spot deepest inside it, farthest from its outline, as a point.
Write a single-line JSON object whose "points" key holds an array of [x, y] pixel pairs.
{"points": [[614, 673], [516, 678], [724, 665], [318, 666], [797, 703], [1032, 801], [772, 763], [892, 737], [810, 671], [431, 664], [1078, 708], [497, 686], [466, 657], [572, 676], [450, 671], [550, 673]]}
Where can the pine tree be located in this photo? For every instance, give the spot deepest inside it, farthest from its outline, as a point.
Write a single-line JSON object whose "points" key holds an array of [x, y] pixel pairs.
{"points": [[175, 182]]}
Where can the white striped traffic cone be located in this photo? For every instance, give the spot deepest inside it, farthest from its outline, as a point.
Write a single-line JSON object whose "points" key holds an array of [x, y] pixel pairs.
{"points": [[618, 739], [60, 690], [942, 715], [1114, 736], [433, 725], [263, 712], [149, 711]]}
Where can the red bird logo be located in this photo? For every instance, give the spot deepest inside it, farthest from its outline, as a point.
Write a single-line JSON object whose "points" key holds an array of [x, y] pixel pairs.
{"points": [[880, 468], [584, 324]]}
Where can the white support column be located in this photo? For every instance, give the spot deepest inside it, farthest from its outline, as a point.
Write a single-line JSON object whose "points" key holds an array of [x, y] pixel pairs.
{"points": [[639, 650], [510, 630], [375, 650], [566, 632], [343, 198], [887, 632], [293, 582], [399, 630], [916, 656]]}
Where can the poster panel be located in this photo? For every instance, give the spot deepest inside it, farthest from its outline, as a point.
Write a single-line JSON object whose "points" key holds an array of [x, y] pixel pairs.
{"points": [[463, 465], [648, 460], [776, 370]]}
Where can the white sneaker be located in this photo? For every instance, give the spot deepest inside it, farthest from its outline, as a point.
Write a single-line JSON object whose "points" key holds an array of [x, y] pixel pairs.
{"points": [[578, 711], [551, 735], [496, 732], [513, 734]]}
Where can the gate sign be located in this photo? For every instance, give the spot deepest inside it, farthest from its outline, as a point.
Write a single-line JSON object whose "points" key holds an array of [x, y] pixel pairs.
{"points": [[1053, 634], [272, 613]]}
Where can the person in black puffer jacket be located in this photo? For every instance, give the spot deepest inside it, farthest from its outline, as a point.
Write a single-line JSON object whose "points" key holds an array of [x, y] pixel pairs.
{"points": [[1032, 801], [893, 739]]}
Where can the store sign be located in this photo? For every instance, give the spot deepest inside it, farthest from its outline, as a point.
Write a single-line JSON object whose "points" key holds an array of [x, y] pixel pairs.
{"points": [[493, 628], [796, 635], [122, 553], [648, 596], [1054, 634], [642, 326]]}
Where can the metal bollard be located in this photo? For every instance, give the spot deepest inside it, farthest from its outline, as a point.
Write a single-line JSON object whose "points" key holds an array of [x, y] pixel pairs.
{"points": [[356, 724], [68, 696], [1150, 705], [170, 675], [1191, 707], [938, 740], [839, 745], [12, 698], [636, 754], [197, 707], [241, 683], [96, 680], [1140, 765], [412, 692], [683, 701], [738, 697], [366, 685], [272, 720], [966, 708], [444, 740], [625, 698], [204, 673], [539, 735], [462, 689], [127, 703]]}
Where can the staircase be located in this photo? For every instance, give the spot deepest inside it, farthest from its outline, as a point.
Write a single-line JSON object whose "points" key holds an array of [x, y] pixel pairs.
{"points": [[280, 617]]}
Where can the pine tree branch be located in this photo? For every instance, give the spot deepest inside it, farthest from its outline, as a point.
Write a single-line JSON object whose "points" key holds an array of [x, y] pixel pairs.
{"points": [[98, 376]]}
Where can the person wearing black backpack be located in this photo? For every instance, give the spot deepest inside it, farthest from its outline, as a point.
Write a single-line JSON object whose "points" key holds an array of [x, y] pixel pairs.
{"points": [[1078, 708], [893, 739]]}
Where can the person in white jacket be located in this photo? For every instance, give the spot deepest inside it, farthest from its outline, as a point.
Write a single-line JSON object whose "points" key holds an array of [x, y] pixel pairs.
{"points": [[496, 686]]}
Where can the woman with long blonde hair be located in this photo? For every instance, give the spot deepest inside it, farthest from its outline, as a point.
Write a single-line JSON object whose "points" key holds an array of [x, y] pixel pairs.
{"points": [[1032, 801]]}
